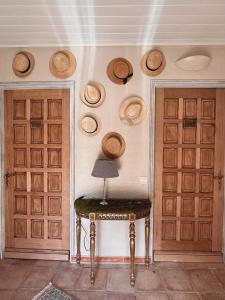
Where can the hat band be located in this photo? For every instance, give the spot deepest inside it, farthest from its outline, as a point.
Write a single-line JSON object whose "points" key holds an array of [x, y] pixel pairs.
{"points": [[124, 80], [152, 70]]}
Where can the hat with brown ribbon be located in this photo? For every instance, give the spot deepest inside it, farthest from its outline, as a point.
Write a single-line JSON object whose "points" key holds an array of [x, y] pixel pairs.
{"points": [[89, 124], [153, 62], [132, 110], [23, 63], [119, 70], [62, 64], [113, 145], [92, 94]]}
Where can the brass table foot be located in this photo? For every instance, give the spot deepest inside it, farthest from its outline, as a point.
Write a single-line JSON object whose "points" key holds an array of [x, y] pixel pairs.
{"points": [[132, 249], [147, 237], [92, 245], [78, 232], [92, 278]]}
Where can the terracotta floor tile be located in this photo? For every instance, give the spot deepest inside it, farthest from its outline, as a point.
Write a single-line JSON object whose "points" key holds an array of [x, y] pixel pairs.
{"points": [[168, 264], [119, 281], [120, 296], [100, 279], [184, 296], [66, 277], [6, 295], [75, 295], [213, 296], [152, 296], [13, 276], [204, 281], [176, 280], [202, 265], [148, 280], [47, 263], [25, 294], [39, 277], [220, 275]]}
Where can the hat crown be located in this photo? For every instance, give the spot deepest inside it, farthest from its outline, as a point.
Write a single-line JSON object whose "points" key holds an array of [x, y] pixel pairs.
{"points": [[121, 69], [154, 60], [61, 61], [113, 145], [92, 94], [21, 62], [89, 124], [133, 110]]}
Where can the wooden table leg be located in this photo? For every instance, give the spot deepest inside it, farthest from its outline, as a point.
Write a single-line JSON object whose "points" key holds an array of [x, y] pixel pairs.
{"points": [[92, 246], [132, 249], [78, 232], [147, 237]]}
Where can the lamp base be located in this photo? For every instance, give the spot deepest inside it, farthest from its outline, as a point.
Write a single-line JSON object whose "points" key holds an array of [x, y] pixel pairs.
{"points": [[104, 202]]}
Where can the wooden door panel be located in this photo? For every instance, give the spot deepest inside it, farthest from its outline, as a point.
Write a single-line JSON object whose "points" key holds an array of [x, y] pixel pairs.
{"points": [[189, 155], [37, 194]]}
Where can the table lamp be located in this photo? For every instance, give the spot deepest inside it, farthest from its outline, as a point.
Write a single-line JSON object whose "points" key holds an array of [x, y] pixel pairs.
{"points": [[105, 168]]}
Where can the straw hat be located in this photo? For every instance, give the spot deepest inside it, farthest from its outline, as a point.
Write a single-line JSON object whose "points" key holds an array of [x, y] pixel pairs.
{"points": [[92, 94], [153, 62], [89, 124], [120, 70], [62, 64], [113, 145], [23, 64], [132, 110]]}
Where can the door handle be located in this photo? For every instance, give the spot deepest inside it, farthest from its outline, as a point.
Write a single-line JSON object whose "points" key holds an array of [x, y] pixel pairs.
{"points": [[7, 176], [219, 177]]}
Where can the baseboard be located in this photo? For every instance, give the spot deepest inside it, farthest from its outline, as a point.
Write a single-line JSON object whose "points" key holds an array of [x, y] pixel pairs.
{"points": [[174, 256], [36, 254], [110, 259]]}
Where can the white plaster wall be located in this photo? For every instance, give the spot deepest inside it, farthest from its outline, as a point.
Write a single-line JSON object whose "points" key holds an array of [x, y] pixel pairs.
{"points": [[91, 65]]}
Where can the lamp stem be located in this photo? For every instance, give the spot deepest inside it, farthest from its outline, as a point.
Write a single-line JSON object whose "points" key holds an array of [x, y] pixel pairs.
{"points": [[104, 202]]}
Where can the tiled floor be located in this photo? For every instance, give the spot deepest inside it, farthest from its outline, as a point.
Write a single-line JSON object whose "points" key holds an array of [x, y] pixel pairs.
{"points": [[21, 279]]}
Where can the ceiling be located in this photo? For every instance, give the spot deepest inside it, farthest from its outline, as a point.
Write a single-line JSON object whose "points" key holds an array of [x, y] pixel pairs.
{"points": [[111, 22]]}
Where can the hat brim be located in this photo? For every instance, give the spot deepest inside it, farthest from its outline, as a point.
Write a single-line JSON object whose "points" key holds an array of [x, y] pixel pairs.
{"points": [[95, 118], [148, 71], [111, 74], [101, 89], [30, 67], [106, 149], [69, 71], [125, 104]]}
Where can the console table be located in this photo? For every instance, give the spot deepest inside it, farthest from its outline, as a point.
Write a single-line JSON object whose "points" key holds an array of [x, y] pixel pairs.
{"points": [[117, 209]]}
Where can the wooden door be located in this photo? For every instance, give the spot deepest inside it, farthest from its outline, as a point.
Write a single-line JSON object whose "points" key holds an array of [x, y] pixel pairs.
{"points": [[189, 170], [36, 155]]}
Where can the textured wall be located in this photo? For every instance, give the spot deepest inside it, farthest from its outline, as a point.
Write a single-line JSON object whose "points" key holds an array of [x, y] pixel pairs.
{"points": [[91, 65]]}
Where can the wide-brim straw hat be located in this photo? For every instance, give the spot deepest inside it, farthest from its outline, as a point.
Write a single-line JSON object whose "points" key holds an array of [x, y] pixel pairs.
{"points": [[132, 110], [92, 94], [89, 124], [23, 63], [153, 62], [113, 145], [119, 70], [62, 64]]}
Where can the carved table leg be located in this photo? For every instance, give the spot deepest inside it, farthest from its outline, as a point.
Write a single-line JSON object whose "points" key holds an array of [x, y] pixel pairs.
{"points": [[78, 231], [92, 245], [132, 249], [147, 237]]}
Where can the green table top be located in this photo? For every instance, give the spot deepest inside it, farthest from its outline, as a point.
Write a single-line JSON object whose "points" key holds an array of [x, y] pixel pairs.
{"points": [[117, 207]]}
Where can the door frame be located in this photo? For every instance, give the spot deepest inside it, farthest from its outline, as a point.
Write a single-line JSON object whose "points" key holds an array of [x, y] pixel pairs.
{"points": [[39, 85], [159, 83]]}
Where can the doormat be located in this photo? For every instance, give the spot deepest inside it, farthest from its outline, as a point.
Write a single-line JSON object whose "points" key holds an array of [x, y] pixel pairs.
{"points": [[50, 292]]}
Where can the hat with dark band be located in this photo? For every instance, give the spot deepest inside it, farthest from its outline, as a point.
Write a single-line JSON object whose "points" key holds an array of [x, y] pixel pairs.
{"points": [[153, 62], [119, 70], [23, 64]]}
